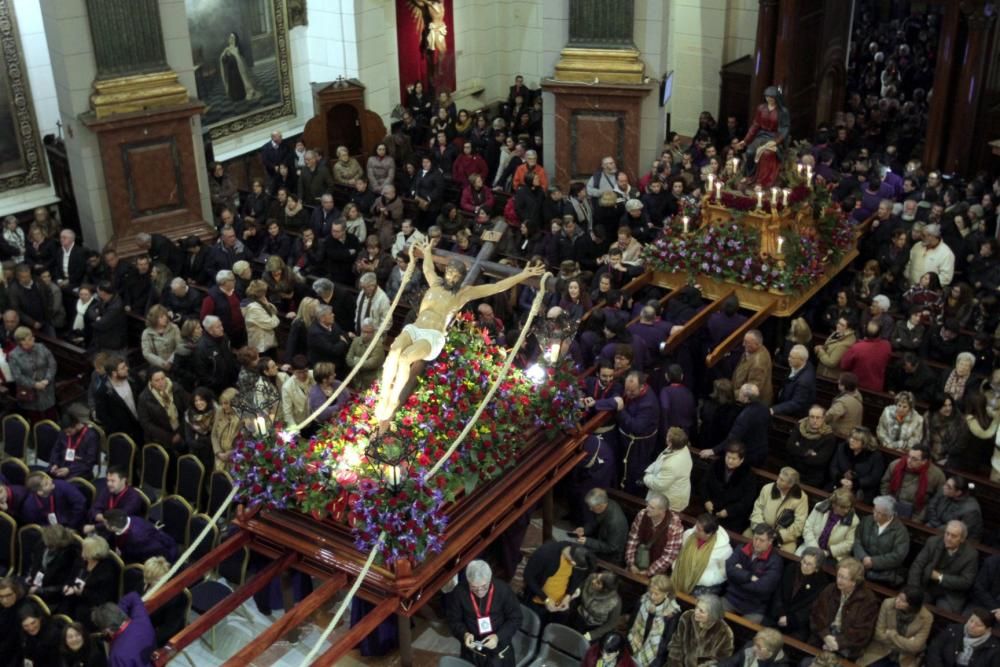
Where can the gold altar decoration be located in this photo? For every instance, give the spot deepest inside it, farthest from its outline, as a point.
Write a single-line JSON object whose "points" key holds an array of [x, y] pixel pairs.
{"points": [[139, 92]]}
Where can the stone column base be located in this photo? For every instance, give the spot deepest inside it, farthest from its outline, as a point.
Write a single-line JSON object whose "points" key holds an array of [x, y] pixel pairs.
{"points": [[139, 92]]}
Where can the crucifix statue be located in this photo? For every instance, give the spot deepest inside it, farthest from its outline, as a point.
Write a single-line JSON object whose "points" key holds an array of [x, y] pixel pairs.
{"points": [[425, 338]]}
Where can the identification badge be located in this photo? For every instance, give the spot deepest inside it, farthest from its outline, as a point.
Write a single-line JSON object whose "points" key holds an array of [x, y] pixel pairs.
{"points": [[485, 626], [53, 519], [70, 455]]}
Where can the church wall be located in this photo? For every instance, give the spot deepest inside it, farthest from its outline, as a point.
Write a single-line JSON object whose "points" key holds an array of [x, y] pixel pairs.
{"points": [[741, 29], [698, 35], [43, 96]]}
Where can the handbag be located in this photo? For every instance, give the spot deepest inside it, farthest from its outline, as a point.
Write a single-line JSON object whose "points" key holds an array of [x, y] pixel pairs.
{"points": [[785, 519], [642, 554], [26, 394]]}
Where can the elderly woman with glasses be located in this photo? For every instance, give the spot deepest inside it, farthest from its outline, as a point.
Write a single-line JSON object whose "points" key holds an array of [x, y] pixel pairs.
{"points": [[701, 636]]}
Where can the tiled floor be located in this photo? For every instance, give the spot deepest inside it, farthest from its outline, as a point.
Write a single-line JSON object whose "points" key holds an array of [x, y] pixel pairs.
{"points": [[431, 636]]}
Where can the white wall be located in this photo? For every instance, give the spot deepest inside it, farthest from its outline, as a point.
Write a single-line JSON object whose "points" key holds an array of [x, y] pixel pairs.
{"points": [[43, 96]]}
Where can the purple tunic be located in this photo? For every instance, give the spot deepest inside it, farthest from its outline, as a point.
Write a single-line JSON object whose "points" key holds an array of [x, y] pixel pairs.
{"points": [[69, 505], [133, 646]]}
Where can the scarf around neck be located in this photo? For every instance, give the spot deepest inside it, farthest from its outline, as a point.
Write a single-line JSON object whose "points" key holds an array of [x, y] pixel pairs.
{"points": [[166, 401], [920, 498], [691, 563]]}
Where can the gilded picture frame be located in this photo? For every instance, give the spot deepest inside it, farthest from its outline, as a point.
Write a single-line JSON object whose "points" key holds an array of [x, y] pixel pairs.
{"points": [[242, 60], [22, 156]]}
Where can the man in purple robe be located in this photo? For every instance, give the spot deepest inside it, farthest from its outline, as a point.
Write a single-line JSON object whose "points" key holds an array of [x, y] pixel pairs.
{"points": [[638, 423], [52, 501], [129, 631], [117, 494], [137, 540]]}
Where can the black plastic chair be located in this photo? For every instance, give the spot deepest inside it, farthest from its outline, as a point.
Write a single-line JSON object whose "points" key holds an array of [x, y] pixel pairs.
{"points": [[8, 544], [84, 487], [14, 471], [190, 479], [121, 453], [16, 433], [525, 641], [155, 465], [132, 579], [562, 646], [195, 526], [29, 540], [175, 514], [219, 486], [46, 433]]}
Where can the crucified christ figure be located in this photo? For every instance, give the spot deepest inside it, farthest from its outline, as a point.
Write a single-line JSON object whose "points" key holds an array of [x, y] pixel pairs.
{"points": [[425, 338]]}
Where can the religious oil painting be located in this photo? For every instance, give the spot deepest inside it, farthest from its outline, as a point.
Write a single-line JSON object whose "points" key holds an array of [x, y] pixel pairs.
{"points": [[22, 158], [242, 63]]}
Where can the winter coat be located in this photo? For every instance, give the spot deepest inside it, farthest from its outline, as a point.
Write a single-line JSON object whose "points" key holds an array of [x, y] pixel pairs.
{"points": [[715, 570], [794, 599], [828, 354], [158, 348], [770, 505], [986, 588], [797, 394], [607, 532], [262, 323], [867, 466], [29, 367], [756, 369], [670, 475], [896, 434], [841, 539], [941, 510], [810, 452], [908, 489], [735, 496], [856, 628], [845, 413], [944, 650], [959, 571], [910, 644], [747, 594], [691, 645], [887, 550]]}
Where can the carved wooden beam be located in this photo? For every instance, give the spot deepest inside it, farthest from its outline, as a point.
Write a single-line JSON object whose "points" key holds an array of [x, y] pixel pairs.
{"points": [[190, 633], [674, 340], [345, 644], [292, 618], [195, 572], [723, 348]]}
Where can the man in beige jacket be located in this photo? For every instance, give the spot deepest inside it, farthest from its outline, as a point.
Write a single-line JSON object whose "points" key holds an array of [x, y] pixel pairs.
{"points": [[755, 366]]}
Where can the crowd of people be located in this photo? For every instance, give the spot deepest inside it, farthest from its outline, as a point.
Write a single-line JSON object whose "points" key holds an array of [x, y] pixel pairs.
{"points": [[301, 275]]}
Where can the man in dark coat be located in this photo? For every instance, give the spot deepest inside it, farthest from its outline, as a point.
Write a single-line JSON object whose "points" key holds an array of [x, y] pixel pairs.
{"points": [[109, 326], [116, 403], [29, 299], [801, 584], [340, 250], [162, 251], [223, 254], [428, 190], [986, 589], [214, 362], [649, 330], [606, 529], [945, 649], [76, 451], [71, 260], [543, 565], [138, 540], [799, 390], [753, 573], [326, 341], [882, 543], [274, 153], [223, 301], [484, 615], [52, 501], [638, 424], [750, 428], [314, 181], [181, 300], [946, 568]]}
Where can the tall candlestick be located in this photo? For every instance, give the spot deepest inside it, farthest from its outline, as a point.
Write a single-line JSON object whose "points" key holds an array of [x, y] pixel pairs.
{"points": [[781, 242], [774, 197], [685, 220], [760, 197], [718, 192], [736, 165], [784, 196], [809, 175]]}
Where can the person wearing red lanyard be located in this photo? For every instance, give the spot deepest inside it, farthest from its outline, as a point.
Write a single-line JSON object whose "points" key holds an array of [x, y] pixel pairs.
{"points": [[52, 501], [484, 615], [75, 452], [117, 494], [127, 627]]}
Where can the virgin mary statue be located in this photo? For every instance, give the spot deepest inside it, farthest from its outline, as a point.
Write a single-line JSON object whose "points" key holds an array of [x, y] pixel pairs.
{"points": [[236, 77]]}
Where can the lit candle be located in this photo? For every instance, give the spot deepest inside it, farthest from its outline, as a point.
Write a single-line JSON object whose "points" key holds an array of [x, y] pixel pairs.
{"points": [[685, 220], [798, 169], [774, 196], [760, 197], [736, 165], [809, 174], [260, 425], [718, 191], [781, 242], [784, 196], [711, 181]]}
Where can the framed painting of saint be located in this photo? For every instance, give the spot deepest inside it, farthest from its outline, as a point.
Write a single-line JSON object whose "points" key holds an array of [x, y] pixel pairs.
{"points": [[22, 157], [425, 33], [242, 63]]}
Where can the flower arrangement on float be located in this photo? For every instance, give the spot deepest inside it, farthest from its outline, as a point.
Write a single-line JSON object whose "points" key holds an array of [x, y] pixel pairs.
{"points": [[335, 474], [730, 251]]}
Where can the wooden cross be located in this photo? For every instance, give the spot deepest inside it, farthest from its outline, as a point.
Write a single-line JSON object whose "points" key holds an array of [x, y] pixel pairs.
{"points": [[483, 263]]}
